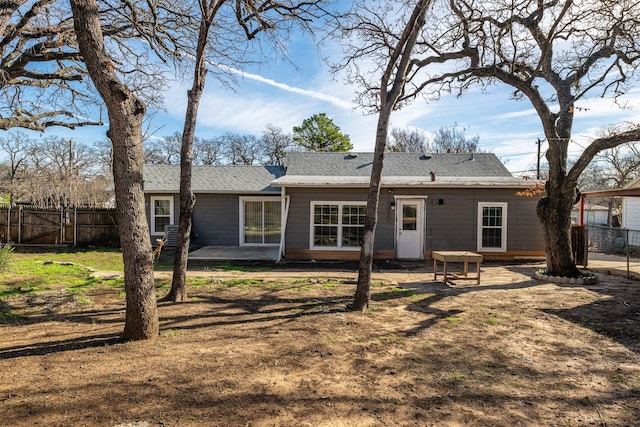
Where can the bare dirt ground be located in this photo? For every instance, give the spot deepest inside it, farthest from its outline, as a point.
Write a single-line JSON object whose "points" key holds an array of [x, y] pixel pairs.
{"points": [[280, 350]]}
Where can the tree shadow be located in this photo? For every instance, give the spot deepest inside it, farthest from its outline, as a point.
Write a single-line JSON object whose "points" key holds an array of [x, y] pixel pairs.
{"points": [[615, 314], [42, 348]]}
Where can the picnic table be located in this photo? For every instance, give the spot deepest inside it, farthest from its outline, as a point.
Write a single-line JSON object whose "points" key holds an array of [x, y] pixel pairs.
{"points": [[456, 256]]}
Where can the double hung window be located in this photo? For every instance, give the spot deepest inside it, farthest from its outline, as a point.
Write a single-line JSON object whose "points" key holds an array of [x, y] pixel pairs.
{"points": [[337, 224]]}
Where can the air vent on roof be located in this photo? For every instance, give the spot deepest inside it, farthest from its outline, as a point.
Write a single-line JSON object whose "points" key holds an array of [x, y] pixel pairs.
{"points": [[351, 155], [426, 156]]}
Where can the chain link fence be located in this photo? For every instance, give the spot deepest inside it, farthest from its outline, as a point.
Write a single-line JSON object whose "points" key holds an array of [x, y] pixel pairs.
{"points": [[614, 249]]}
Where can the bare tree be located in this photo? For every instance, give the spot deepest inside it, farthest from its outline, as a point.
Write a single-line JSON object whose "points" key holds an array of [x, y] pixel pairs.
{"points": [[276, 144], [407, 141], [208, 151], [251, 19], [392, 58], [452, 139], [19, 149], [126, 113], [163, 151], [41, 79], [242, 149], [554, 54]]}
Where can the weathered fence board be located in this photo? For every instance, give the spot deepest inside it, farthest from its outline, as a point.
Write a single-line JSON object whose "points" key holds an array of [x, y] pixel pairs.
{"points": [[66, 226]]}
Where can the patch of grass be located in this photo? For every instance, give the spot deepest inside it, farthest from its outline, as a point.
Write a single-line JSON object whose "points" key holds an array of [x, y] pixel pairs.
{"points": [[493, 320], [372, 310], [84, 300], [105, 259], [616, 379], [242, 283], [161, 285], [275, 286], [233, 267], [453, 319], [6, 252], [198, 282], [392, 339], [458, 376], [171, 333]]}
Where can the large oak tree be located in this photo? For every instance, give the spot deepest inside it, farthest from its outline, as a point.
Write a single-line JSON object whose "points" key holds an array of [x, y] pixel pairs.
{"points": [[126, 112], [556, 54]]}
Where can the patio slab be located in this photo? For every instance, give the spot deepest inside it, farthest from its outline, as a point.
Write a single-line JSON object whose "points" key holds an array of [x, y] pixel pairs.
{"points": [[235, 253]]}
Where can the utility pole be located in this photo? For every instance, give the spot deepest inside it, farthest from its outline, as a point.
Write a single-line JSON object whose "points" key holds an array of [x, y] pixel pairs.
{"points": [[538, 166]]}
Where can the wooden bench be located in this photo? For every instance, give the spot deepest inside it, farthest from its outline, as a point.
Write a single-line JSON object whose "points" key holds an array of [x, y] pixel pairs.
{"points": [[457, 256]]}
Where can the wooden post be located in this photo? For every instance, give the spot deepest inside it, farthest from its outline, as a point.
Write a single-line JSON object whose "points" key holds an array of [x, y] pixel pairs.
{"points": [[20, 224], [8, 224]]}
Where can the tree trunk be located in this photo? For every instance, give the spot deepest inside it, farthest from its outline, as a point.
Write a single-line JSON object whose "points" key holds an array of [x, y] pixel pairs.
{"points": [[554, 209], [126, 112], [395, 75], [178, 290], [363, 288], [554, 213]]}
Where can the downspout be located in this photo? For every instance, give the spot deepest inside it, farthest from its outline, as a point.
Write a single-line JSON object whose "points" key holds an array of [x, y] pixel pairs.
{"points": [[284, 202]]}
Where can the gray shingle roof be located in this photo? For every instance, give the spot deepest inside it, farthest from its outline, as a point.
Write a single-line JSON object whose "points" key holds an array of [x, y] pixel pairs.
{"points": [[396, 164], [338, 169], [213, 179], [451, 170]]}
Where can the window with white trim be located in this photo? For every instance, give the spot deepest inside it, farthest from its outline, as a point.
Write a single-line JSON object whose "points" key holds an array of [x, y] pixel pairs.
{"points": [[492, 227], [337, 224], [260, 221], [161, 213]]}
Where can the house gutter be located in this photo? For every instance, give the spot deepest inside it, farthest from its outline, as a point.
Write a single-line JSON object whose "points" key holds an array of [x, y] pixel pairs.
{"points": [[285, 201]]}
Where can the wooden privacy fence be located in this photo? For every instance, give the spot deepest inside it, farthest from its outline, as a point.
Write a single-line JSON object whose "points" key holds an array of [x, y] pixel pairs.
{"points": [[24, 225]]}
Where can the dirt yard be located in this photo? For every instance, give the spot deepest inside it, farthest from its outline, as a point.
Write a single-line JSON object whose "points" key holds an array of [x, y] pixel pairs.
{"points": [[277, 348]]}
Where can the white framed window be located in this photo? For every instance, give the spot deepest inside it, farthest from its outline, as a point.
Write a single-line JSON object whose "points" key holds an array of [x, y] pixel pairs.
{"points": [[260, 221], [492, 227], [337, 225], [161, 213]]}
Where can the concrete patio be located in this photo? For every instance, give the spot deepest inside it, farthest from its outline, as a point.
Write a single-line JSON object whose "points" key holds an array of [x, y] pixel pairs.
{"points": [[235, 253]]}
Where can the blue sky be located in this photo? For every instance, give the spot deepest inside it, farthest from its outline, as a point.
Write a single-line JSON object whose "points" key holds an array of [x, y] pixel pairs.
{"points": [[284, 95]]}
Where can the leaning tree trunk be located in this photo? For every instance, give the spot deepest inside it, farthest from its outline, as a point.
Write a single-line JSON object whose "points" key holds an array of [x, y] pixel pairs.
{"points": [[126, 112], [178, 290], [363, 288], [392, 85]]}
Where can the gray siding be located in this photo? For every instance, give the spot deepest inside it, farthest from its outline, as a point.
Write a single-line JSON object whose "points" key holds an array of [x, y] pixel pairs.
{"points": [[451, 225], [216, 220]]}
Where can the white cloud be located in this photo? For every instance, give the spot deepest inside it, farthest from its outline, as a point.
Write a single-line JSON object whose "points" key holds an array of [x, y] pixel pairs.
{"points": [[338, 102]]}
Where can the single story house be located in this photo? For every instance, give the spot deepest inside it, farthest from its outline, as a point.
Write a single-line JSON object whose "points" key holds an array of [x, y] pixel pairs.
{"points": [[313, 207], [592, 214]]}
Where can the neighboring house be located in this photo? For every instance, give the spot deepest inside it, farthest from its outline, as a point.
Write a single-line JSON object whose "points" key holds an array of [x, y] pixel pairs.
{"points": [[631, 208], [314, 206], [592, 214]]}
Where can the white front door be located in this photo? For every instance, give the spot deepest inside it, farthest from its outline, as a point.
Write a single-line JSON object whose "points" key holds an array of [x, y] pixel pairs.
{"points": [[410, 229]]}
